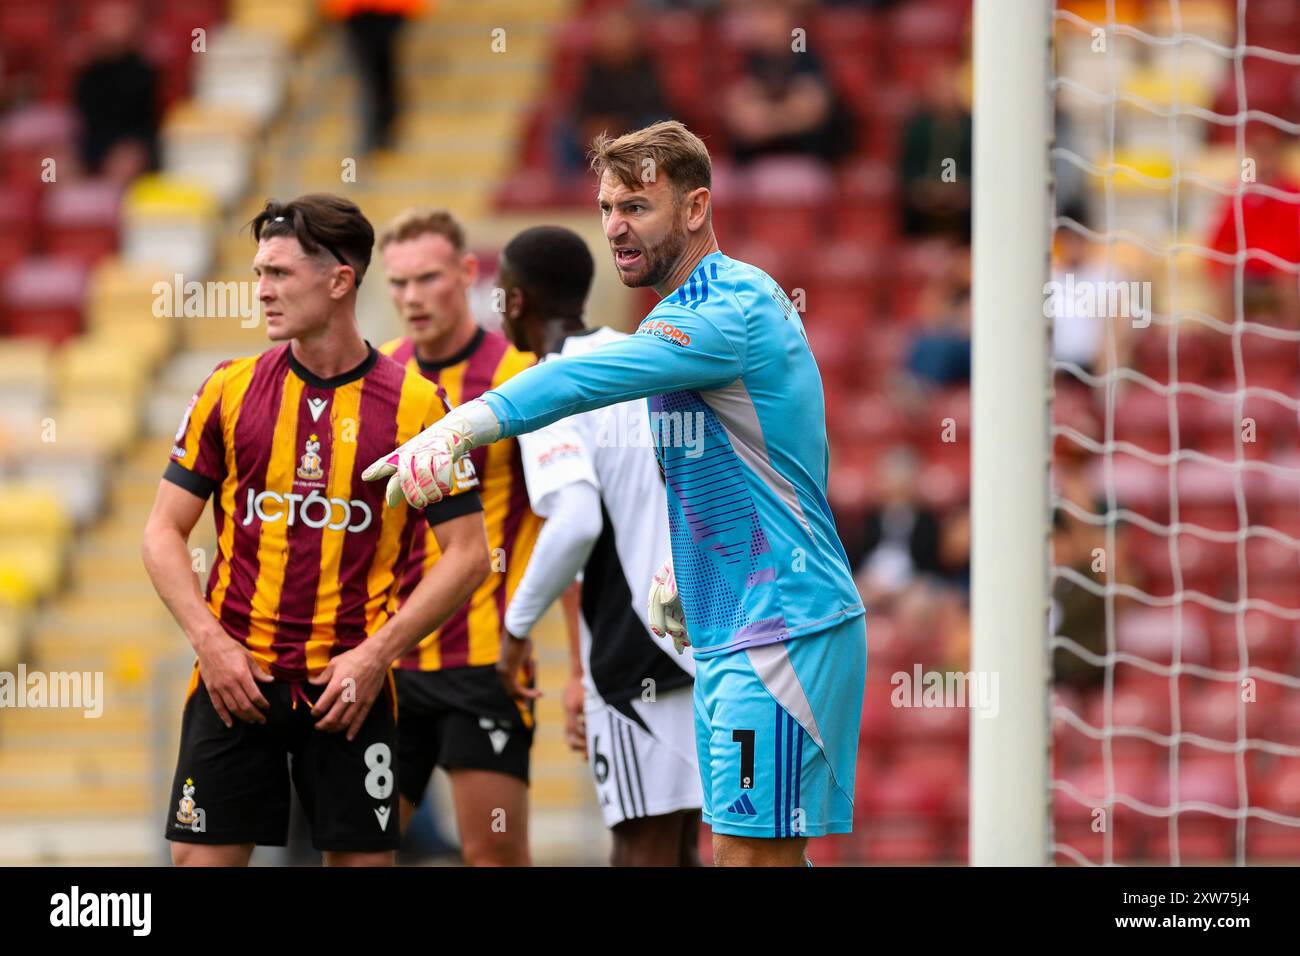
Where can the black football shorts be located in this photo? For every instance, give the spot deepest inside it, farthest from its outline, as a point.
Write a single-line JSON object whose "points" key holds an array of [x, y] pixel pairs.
{"points": [[232, 784], [458, 719]]}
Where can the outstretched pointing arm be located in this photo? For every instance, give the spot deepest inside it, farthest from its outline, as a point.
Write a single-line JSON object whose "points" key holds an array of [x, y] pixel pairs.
{"points": [[675, 350]]}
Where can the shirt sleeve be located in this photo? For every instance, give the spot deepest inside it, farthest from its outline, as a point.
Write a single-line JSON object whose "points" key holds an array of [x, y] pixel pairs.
{"points": [[563, 547], [464, 497], [555, 457], [198, 457], [674, 349]]}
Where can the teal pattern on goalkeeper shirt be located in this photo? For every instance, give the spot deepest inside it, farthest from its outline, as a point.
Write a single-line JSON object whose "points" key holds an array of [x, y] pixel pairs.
{"points": [[738, 420]]}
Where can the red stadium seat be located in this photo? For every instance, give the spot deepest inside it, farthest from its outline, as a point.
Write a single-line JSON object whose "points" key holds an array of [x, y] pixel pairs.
{"points": [[1282, 722], [1196, 352], [871, 418], [1080, 837], [879, 723], [1267, 840], [864, 209], [1142, 419], [1271, 642], [1085, 809], [1208, 708], [1202, 416], [909, 811], [949, 724], [944, 483], [1275, 786], [1202, 838], [30, 136], [1203, 777], [17, 211], [1220, 517], [905, 841], [80, 220], [28, 24], [1140, 485], [1151, 633], [31, 45], [1201, 483], [785, 225], [1282, 593], [568, 53], [43, 297], [1270, 362], [1135, 707], [1209, 567]]}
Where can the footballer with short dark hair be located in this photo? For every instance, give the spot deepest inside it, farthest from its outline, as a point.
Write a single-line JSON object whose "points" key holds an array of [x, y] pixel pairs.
{"points": [[300, 625]]}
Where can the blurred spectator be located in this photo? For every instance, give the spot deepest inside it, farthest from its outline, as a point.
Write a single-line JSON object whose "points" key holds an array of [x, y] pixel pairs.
{"points": [[783, 105], [954, 549], [116, 94], [696, 6], [936, 132], [901, 537], [1077, 332], [1076, 612], [1071, 187], [620, 88], [940, 352], [372, 27], [1269, 224], [1079, 324]]}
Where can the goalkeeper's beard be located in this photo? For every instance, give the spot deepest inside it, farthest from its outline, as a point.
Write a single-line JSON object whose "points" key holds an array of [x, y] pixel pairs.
{"points": [[660, 260]]}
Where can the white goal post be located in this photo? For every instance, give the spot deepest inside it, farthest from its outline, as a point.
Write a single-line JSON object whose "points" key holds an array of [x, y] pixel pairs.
{"points": [[1010, 447]]}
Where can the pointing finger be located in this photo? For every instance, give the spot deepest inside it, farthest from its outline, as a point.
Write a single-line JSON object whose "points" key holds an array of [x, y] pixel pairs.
{"points": [[381, 468]]}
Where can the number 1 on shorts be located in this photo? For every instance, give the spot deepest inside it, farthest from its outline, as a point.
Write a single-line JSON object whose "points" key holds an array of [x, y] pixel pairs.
{"points": [[746, 740]]}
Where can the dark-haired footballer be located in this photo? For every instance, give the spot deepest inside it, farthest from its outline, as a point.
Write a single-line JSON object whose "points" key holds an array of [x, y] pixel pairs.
{"points": [[300, 624], [629, 706]]}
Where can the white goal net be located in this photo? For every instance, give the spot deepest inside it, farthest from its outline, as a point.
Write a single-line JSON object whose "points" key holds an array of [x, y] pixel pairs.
{"points": [[1175, 300]]}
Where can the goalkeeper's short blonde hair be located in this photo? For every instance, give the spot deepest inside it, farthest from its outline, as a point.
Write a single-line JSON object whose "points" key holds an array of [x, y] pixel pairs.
{"points": [[666, 148]]}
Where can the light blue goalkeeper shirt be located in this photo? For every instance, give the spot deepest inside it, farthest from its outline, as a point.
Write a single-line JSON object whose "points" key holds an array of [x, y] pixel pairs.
{"points": [[738, 420]]}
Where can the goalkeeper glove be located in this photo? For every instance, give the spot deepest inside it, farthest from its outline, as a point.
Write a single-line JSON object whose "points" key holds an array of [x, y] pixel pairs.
{"points": [[665, 607], [423, 470]]}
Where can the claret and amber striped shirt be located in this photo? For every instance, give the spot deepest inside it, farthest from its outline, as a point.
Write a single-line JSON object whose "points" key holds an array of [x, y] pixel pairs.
{"points": [[472, 636], [308, 556]]}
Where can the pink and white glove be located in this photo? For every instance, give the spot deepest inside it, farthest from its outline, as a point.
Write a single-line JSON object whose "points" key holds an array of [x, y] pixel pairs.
{"points": [[423, 471], [665, 607]]}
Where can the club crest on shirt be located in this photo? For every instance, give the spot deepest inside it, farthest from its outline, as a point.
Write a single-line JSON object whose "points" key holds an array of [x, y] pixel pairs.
{"points": [[309, 465]]}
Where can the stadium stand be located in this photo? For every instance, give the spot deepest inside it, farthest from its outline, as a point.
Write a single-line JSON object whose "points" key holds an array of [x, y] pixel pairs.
{"points": [[92, 381]]}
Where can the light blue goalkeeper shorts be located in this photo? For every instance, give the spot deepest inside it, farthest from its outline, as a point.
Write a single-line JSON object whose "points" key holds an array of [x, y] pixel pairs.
{"points": [[776, 728]]}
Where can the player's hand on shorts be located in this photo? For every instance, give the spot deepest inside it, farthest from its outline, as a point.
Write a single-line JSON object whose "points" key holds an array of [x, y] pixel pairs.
{"points": [[513, 662], [231, 675], [575, 717], [664, 607], [352, 682]]}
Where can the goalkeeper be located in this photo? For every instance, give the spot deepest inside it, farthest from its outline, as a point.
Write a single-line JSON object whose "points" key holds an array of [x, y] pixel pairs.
{"points": [[766, 601]]}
